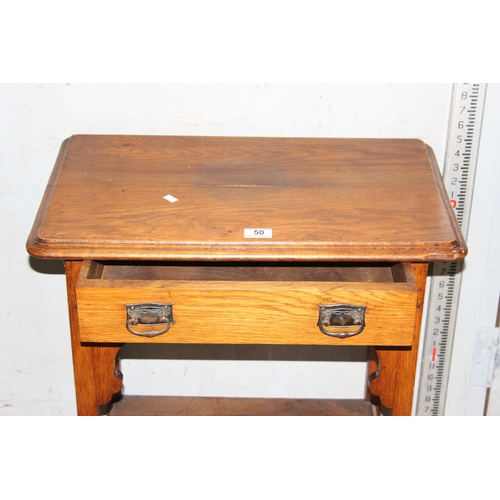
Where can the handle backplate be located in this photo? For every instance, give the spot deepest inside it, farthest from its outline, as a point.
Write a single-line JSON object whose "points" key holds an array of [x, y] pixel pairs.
{"points": [[149, 319], [341, 320]]}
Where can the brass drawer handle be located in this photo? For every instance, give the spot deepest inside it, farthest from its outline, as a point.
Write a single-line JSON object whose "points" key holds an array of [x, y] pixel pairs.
{"points": [[149, 315], [341, 320]]}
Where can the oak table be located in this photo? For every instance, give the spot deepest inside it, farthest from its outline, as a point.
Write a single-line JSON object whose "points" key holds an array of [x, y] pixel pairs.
{"points": [[231, 240]]}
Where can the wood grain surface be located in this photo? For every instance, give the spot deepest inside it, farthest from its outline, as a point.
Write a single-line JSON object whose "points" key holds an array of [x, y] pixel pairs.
{"points": [[96, 379], [199, 406], [246, 311], [391, 371], [324, 199]]}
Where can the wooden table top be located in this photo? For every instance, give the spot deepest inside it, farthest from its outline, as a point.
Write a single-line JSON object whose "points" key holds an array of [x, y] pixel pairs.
{"points": [[323, 200]]}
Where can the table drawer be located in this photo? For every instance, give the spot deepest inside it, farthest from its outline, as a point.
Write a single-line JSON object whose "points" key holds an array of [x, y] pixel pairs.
{"points": [[250, 304]]}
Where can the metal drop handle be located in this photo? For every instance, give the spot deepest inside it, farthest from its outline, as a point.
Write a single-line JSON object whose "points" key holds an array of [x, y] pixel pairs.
{"points": [[341, 320], [149, 314]]}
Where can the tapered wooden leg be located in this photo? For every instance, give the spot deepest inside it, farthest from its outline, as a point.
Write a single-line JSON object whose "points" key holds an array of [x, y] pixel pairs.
{"points": [[391, 371], [96, 377]]}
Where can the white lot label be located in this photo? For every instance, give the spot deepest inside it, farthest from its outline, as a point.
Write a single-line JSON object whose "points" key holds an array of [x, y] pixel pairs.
{"points": [[258, 233], [170, 198]]}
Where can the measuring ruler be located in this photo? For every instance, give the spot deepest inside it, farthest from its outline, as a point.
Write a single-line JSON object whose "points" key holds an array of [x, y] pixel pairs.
{"points": [[459, 173]]}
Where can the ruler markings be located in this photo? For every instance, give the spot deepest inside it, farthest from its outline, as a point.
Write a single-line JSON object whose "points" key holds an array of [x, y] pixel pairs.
{"points": [[444, 289]]}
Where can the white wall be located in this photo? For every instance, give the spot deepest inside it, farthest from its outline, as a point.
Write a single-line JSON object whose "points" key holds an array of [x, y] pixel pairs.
{"points": [[35, 356]]}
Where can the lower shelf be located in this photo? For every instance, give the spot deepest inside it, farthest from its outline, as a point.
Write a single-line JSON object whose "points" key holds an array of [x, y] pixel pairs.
{"points": [[201, 406]]}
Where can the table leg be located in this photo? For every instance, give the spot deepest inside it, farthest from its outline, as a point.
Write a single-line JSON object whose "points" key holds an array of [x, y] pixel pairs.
{"points": [[391, 371], [96, 377]]}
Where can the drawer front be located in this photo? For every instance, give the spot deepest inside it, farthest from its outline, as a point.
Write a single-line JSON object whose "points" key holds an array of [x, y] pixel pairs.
{"points": [[244, 312]]}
